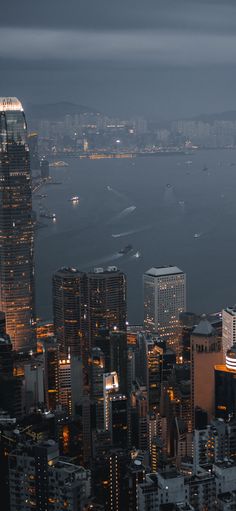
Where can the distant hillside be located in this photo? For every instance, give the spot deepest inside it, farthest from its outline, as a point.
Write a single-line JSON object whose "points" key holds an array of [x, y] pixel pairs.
{"points": [[222, 116], [56, 111]]}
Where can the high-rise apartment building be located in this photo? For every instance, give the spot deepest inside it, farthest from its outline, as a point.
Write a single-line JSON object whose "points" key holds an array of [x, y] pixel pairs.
{"points": [[70, 384], [68, 309], [39, 479], [164, 300], [16, 226]]}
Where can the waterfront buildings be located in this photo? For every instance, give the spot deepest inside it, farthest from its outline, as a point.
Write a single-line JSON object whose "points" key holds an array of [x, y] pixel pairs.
{"points": [[16, 226]]}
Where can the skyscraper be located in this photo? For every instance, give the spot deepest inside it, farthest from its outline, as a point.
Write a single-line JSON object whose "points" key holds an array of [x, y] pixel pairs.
{"points": [[86, 303], [164, 300], [68, 309], [206, 352], [16, 225], [107, 306]]}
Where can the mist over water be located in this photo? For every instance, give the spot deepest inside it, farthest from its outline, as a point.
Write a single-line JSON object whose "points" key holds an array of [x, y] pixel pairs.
{"points": [[171, 203]]}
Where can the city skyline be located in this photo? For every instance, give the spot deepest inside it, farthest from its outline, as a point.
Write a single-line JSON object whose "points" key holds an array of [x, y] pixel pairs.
{"points": [[117, 256]]}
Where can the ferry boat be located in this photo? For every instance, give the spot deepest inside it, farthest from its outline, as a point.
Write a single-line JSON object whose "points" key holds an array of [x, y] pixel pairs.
{"points": [[58, 164], [126, 250], [74, 199], [45, 214]]}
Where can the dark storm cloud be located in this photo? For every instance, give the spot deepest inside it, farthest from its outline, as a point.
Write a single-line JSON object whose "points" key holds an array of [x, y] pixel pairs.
{"points": [[167, 57]]}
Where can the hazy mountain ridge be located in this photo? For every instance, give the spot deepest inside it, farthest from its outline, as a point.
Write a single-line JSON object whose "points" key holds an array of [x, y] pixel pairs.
{"points": [[57, 111], [228, 115]]}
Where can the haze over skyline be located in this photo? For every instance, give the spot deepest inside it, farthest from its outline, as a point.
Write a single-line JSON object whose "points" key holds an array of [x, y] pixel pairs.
{"points": [[157, 58]]}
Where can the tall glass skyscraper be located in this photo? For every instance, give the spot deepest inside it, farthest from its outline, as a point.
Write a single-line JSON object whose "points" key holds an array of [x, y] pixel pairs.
{"points": [[164, 299], [16, 226]]}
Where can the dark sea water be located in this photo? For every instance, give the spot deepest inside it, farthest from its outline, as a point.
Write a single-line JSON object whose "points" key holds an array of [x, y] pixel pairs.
{"points": [[132, 196]]}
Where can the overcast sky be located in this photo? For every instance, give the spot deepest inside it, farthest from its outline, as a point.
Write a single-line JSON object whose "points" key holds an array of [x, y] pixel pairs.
{"points": [[162, 58]]}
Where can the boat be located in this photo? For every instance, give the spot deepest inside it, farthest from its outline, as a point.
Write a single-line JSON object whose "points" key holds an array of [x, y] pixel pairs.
{"points": [[188, 162], [126, 250], [46, 214], [41, 196], [74, 199], [168, 185], [181, 202], [58, 164], [205, 168], [197, 235], [137, 254]]}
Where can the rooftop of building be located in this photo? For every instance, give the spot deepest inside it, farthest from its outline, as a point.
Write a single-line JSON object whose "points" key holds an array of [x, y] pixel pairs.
{"points": [[70, 468], [67, 271], [204, 328], [163, 271], [5, 340], [175, 507], [227, 463], [231, 310], [227, 497], [10, 104], [170, 473], [101, 271]]}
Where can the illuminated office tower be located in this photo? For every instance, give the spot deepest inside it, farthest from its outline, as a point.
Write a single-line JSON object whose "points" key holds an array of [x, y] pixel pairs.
{"points": [[16, 226], [68, 309], [50, 351], [97, 370], [164, 300], [107, 307], [110, 386], [228, 328], [70, 384]]}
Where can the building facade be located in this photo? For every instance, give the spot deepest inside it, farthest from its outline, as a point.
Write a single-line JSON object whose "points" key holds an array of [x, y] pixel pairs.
{"points": [[16, 226], [228, 328], [68, 309], [164, 300], [106, 305]]}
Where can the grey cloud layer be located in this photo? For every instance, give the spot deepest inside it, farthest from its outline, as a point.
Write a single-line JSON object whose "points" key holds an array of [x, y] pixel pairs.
{"points": [[167, 47], [120, 14]]}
